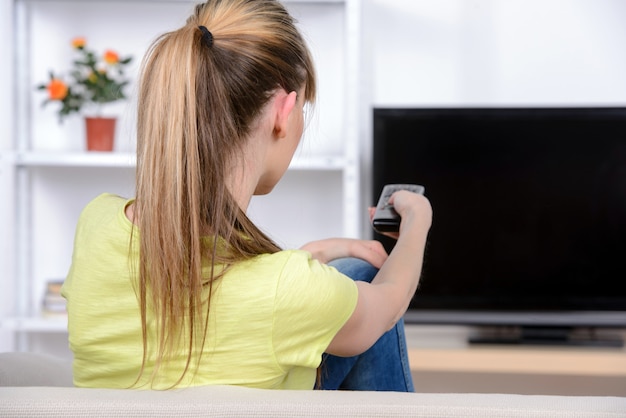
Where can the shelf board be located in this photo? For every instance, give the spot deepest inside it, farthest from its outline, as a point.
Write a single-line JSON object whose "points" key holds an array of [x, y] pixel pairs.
{"points": [[36, 324], [75, 159], [128, 160], [318, 163]]}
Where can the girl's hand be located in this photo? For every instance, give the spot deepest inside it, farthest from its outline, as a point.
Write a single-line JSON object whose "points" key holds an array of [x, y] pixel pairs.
{"points": [[333, 248], [411, 207], [414, 210]]}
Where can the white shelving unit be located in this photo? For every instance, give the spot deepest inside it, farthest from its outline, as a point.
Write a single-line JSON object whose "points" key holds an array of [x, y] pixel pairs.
{"points": [[51, 176]]}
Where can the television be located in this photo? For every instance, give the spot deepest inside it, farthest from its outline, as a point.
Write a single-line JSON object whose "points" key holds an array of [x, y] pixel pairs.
{"points": [[529, 216]]}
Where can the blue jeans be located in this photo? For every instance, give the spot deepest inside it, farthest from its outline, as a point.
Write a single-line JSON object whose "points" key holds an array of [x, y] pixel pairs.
{"points": [[384, 366]]}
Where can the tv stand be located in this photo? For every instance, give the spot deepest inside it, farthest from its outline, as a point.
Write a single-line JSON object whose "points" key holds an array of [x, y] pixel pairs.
{"points": [[442, 361], [546, 335]]}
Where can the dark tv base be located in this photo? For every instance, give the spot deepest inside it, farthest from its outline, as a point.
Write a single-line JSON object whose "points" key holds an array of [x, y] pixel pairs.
{"points": [[542, 335]]}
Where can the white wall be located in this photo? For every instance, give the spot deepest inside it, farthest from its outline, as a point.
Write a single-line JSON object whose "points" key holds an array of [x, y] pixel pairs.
{"points": [[497, 52]]}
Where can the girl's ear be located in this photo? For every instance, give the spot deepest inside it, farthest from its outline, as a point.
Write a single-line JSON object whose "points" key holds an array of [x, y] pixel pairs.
{"points": [[284, 105]]}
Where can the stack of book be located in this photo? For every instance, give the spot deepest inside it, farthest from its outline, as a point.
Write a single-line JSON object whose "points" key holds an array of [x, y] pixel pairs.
{"points": [[53, 302]]}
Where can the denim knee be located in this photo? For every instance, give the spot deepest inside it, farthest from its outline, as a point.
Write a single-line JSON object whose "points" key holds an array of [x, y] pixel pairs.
{"points": [[355, 268]]}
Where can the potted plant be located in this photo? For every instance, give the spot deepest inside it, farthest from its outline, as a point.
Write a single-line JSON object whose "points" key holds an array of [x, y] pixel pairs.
{"points": [[94, 81]]}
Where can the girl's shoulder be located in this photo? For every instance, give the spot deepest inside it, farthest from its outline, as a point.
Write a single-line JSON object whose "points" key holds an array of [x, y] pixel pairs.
{"points": [[286, 259], [297, 268], [105, 209], [105, 202]]}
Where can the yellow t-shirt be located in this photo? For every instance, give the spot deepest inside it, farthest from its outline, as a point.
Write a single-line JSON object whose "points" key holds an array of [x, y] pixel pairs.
{"points": [[271, 317]]}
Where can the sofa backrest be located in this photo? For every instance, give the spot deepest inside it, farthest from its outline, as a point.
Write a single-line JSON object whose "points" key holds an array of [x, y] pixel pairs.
{"points": [[32, 369]]}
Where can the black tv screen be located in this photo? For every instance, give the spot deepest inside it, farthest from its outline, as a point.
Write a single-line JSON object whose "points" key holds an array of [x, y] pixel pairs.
{"points": [[529, 211]]}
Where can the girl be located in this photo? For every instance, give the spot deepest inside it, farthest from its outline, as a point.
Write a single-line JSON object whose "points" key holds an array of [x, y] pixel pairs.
{"points": [[177, 287]]}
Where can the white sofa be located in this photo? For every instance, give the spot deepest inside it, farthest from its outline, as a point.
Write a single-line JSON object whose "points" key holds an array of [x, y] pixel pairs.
{"points": [[37, 385]]}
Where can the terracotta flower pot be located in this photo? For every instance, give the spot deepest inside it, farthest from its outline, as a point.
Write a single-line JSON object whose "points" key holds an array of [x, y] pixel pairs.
{"points": [[100, 133]]}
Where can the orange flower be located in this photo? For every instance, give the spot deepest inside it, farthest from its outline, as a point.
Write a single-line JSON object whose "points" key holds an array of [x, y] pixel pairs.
{"points": [[111, 57], [79, 42], [57, 89]]}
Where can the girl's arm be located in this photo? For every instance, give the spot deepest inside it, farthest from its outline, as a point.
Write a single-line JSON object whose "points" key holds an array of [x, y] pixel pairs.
{"points": [[327, 250], [383, 302]]}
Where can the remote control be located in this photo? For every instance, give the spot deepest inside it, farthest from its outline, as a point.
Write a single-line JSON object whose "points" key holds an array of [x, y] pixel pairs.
{"points": [[386, 219]]}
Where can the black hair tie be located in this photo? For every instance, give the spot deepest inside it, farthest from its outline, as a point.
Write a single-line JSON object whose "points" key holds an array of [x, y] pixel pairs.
{"points": [[207, 37]]}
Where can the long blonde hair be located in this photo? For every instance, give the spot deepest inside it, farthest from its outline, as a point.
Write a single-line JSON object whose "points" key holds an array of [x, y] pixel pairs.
{"points": [[196, 106]]}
